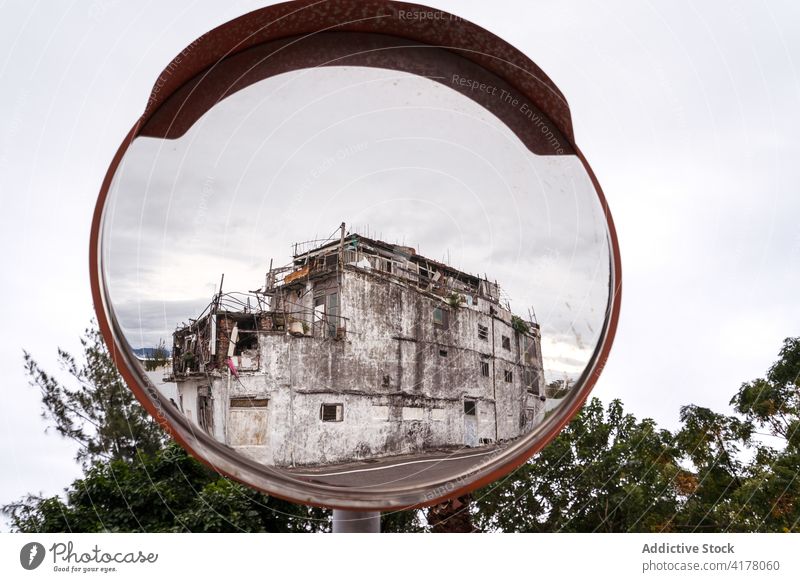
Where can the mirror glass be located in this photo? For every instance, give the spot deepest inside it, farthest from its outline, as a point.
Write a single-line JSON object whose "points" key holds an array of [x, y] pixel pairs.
{"points": [[358, 276]]}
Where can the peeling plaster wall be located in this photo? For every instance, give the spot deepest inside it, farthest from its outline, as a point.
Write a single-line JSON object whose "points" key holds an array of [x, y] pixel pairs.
{"points": [[400, 392]]}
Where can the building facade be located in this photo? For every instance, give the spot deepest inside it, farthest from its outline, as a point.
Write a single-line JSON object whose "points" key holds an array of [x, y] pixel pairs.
{"points": [[360, 349]]}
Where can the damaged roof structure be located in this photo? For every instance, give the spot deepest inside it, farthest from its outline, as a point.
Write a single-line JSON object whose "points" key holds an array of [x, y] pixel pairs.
{"points": [[359, 349]]}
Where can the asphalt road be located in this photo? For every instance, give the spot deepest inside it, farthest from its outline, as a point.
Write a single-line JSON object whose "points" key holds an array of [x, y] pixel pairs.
{"points": [[399, 470]]}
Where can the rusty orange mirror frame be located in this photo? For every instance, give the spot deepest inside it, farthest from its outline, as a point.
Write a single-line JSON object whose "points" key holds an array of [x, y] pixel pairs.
{"points": [[298, 20]]}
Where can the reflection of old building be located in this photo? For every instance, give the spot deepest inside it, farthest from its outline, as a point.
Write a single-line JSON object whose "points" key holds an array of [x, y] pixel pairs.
{"points": [[360, 349]]}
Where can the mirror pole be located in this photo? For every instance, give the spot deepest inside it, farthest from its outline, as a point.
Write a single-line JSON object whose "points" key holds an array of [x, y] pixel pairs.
{"points": [[346, 521]]}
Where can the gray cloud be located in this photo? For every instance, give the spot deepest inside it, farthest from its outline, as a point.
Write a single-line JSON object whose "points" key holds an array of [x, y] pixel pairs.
{"points": [[403, 157]]}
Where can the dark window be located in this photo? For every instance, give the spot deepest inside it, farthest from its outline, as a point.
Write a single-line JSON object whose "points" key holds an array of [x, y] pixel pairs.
{"points": [[244, 336], [424, 278], [506, 343], [485, 369], [332, 412], [331, 260], [318, 317], [528, 377], [332, 313], [483, 332], [205, 409], [470, 407], [443, 353], [529, 349], [249, 402], [508, 375], [247, 341], [326, 320], [440, 317]]}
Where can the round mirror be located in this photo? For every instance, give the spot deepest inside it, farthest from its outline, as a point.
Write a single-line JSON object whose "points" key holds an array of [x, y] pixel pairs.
{"points": [[355, 268]]}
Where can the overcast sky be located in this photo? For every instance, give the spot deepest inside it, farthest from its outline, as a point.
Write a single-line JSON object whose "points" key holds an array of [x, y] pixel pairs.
{"points": [[401, 157], [688, 115]]}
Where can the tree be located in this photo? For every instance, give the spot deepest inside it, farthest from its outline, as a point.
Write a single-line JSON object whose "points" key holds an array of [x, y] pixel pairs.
{"points": [[774, 402], [769, 497], [96, 409], [712, 444], [452, 516], [605, 472], [165, 492], [744, 482], [158, 358], [610, 472]]}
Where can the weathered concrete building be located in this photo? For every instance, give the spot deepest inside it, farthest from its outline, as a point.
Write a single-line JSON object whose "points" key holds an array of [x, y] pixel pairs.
{"points": [[360, 349]]}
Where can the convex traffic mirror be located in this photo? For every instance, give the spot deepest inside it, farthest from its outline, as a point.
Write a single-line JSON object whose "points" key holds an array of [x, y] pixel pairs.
{"points": [[351, 255]]}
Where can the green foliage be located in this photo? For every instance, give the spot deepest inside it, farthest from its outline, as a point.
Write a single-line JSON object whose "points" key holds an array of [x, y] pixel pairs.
{"points": [[455, 300], [166, 492], [605, 472], [712, 444], [520, 325], [768, 494], [188, 360], [159, 359], [774, 402], [557, 389], [95, 409]]}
